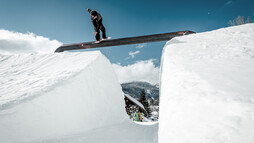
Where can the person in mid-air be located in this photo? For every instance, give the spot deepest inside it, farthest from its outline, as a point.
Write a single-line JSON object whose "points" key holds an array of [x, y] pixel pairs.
{"points": [[97, 23]]}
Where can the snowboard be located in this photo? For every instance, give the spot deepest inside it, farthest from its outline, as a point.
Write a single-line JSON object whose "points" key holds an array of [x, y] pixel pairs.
{"points": [[102, 40]]}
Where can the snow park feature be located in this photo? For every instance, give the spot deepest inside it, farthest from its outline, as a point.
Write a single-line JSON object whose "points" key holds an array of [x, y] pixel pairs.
{"points": [[206, 93], [66, 97], [207, 87], [123, 41]]}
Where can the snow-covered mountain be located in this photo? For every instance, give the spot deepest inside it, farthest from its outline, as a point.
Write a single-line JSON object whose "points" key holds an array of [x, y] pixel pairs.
{"points": [[134, 89], [207, 87]]}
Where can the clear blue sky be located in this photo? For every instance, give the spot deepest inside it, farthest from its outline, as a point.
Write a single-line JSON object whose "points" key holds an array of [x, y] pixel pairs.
{"points": [[68, 21]]}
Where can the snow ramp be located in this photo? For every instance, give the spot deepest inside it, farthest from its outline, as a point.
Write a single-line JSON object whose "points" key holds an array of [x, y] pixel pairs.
{"points": [[67, 97], [206, 89]]}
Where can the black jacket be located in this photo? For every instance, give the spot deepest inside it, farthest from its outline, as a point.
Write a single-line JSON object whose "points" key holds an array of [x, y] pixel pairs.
{"points": [[99, 18], [96, 22]]}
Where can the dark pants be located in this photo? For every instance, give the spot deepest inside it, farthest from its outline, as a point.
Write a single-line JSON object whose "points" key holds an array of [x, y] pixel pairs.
{"points": [[99, 26]]}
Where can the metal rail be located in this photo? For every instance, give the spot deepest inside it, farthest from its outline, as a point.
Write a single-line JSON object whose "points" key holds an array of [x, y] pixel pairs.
{"points": [[123, 41]]}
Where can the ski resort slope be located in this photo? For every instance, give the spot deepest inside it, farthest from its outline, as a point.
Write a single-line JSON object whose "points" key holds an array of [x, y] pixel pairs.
{"points": [[67, 97], [207, 87]]}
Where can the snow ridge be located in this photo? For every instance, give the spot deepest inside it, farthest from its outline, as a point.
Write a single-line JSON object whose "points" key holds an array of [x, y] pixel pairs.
{"points": [[207, 87], [27, 75], [74, 96], [66, 97]]}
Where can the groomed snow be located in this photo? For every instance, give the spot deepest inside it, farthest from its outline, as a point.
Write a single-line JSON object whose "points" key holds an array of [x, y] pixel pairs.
{"points": [[27, 75], [64, 97], [207, 87]]}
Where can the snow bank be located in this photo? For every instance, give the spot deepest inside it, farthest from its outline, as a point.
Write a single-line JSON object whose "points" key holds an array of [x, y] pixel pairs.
{"points": [[207, 92], [51, 95], [64, 97], [126, 132], [14, 42]]}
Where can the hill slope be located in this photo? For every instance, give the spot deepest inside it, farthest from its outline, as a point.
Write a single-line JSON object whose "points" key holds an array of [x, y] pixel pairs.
{"points": [[64, 98], [207, 87]]}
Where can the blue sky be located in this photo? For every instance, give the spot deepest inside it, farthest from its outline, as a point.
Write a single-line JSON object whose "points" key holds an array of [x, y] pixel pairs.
{"points": [[68, 21]]}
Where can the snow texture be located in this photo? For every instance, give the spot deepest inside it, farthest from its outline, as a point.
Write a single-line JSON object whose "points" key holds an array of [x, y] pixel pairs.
{"points": [[63, 97], [206, 89]]}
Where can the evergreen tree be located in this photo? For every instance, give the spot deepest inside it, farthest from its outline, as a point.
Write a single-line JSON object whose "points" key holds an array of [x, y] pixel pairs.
{"points": [[144, 101]]}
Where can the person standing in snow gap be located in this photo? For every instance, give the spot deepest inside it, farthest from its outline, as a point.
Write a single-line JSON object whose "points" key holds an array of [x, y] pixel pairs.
{"points": [[137, 116], [97, 23]]}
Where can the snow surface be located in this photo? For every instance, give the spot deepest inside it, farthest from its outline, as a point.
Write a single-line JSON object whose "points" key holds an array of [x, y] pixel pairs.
{"points": [[207, 87], [27, 75], [64, 97]]}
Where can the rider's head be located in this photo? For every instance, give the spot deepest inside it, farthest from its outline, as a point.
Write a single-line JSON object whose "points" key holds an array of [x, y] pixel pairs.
{"points": [[89, 10], [94, 14]]}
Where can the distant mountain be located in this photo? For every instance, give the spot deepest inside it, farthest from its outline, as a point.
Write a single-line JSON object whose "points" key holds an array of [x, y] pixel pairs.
{"points": [[134, 89]]}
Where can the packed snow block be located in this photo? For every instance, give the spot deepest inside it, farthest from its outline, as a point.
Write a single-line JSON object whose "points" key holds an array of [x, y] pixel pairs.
{"points": [[206, 89], [54, 95]]}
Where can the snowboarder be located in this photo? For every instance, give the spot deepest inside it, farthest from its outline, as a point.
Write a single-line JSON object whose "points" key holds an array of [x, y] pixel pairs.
{"points": [[97, 23]]}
